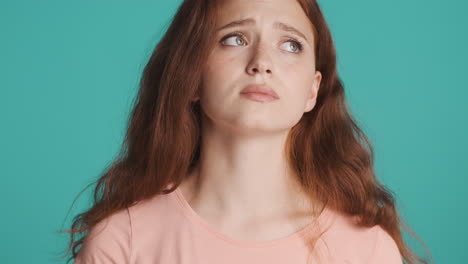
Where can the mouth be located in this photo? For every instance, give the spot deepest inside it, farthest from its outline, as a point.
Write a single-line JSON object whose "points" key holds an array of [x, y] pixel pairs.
{"points": [[259, 93]]}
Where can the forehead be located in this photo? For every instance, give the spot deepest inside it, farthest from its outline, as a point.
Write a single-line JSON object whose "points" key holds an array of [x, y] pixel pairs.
{"points": [[265, 13], [278, 5]]}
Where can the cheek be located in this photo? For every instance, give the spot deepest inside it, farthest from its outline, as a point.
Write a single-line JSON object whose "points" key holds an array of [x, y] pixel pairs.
{"points": [[299, 81], [217, 93], [219, 71], [222, 78], [291, 109], [298, 84]]}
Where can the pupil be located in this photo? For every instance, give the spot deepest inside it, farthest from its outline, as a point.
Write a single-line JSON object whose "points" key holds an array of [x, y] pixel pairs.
{"points": [[292, 45]]}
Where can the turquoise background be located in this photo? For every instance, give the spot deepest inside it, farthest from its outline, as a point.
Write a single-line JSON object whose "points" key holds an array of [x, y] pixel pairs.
{"points": [[69, 71]]}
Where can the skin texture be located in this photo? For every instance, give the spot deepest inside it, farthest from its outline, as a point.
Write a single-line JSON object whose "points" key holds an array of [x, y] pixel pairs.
{"points": [[242, 185]]}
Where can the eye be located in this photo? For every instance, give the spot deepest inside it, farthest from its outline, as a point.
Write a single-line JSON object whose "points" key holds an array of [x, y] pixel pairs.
{"points": [[234, 39], [294, 45]]}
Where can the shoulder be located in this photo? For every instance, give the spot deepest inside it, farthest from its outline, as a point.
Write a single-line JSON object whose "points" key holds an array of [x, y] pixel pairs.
{"points": [[154, 207], [356, 244], [142, 224], [109, 241], [385, 249]]}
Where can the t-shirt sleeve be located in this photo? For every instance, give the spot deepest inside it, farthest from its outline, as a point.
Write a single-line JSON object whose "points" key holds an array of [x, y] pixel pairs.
{"points": [[108, 242], [386, 250]]}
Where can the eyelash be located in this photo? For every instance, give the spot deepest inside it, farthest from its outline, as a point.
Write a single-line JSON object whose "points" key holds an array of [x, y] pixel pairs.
{"points": [[300, 45]]}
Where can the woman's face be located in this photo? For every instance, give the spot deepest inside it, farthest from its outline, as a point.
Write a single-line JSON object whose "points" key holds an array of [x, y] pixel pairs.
{"points": [[273, 47]]}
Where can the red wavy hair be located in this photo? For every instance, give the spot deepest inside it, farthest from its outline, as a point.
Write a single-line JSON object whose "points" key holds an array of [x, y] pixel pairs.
{"points": [[329, 152]]}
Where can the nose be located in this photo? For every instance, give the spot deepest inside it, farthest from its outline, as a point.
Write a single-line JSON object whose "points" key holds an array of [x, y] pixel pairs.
{"points": [[260, 62]]}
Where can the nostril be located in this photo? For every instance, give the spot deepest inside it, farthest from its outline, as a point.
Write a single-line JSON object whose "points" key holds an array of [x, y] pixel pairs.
{"points": [[256, 70]]}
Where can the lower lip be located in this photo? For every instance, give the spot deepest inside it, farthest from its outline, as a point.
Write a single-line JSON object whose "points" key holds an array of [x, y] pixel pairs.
{"points": [[258, 97]]}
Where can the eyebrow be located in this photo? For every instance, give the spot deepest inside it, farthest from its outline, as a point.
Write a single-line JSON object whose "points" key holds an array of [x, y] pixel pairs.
{"points": [[249, 21]]}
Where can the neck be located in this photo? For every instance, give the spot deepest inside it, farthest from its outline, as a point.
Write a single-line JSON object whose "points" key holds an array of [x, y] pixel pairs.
{"points": [[251, 181]]}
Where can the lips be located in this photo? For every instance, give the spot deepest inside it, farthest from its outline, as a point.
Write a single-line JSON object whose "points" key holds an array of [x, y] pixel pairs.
{"points": [[259, 89]]}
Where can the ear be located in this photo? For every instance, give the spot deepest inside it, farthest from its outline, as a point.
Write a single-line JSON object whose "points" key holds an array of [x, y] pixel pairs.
{"points": [[312, 98]]}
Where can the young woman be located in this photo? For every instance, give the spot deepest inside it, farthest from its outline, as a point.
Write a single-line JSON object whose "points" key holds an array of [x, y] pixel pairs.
{"points": [[240, 149]]}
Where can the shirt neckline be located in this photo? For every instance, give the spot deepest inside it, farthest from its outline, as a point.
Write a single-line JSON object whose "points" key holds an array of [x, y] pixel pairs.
{"points": [[199, 221]]}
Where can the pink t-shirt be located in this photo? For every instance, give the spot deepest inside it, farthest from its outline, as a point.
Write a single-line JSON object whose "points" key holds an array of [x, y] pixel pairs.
{"points": [[166, 230]]}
